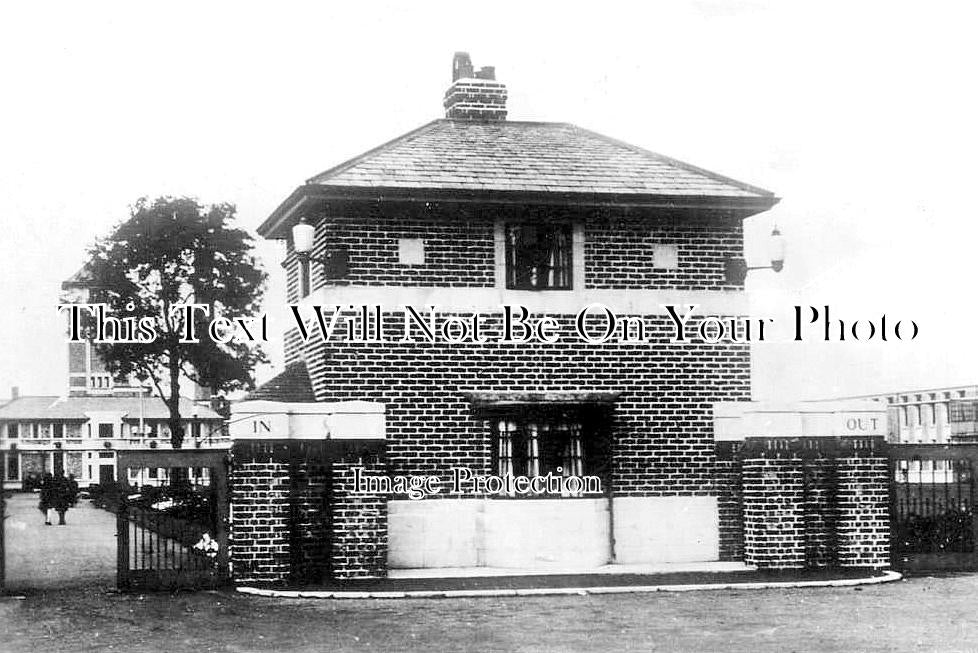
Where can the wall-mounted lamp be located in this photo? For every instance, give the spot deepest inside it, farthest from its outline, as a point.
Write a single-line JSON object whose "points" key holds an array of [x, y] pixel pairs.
{"points": [[335, 261], [736, 268]]}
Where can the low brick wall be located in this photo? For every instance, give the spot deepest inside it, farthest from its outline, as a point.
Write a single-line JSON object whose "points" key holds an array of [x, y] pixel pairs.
{"points": [[297, 519], [808, 504]]}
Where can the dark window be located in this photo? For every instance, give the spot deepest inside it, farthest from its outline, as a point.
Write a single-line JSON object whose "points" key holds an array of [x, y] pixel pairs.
{"points": [[154, 472], [195, 430], [58, 430], [13, 466], [105, 430], [559, 442], [538, 257], [12, 431]]}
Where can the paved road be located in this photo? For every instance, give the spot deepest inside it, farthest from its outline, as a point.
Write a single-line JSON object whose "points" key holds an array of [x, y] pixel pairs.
{"points": [[46, 557], [922, 614]]}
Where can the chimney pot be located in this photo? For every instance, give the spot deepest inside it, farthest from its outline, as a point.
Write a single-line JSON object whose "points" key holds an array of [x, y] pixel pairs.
{"points": [[474, 96], [461, 66]]}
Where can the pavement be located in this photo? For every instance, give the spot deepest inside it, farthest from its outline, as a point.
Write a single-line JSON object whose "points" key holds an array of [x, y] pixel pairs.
{"points": [[916, 614], [39, 557]]}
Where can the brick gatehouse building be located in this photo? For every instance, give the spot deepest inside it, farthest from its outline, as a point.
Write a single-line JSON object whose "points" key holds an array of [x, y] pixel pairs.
{"points": [[469, 213]]}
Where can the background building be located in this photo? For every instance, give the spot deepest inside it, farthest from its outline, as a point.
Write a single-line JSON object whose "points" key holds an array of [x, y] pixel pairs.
{"points": [[930, 416], [80, 432]]}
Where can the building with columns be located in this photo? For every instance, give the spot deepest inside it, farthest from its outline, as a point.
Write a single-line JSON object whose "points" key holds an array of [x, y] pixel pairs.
{"points": [[931, 415]]}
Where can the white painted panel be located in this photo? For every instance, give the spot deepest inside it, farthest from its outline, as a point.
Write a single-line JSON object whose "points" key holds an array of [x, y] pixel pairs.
{"points": [[539, 533], [431, 534], [497, 533], [666, 529]]}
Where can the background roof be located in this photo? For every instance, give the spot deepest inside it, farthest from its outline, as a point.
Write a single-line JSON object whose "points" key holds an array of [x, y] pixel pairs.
{"points": [[40, 408]]}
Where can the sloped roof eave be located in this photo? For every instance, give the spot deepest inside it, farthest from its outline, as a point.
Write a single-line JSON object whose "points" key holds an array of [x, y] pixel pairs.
{"points": [[289, 211]]}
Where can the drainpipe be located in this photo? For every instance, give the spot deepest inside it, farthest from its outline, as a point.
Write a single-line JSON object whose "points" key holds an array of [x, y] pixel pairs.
{"points": [[611, 497]]}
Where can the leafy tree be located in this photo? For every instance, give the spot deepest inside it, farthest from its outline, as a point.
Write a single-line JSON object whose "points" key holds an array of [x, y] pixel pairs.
{"points": [[170, 252]]}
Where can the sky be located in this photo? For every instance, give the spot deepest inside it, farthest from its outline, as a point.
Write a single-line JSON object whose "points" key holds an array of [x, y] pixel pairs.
{"points": [[860, 116]]}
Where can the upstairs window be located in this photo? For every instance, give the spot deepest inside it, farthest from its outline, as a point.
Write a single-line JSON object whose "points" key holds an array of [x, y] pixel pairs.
{"points": [[12, 430], [105, 430], [538, 256], [58, 430]]}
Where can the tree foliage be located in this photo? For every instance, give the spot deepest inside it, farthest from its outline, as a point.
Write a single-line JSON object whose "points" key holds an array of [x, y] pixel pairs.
{"points": [[170, 252]]}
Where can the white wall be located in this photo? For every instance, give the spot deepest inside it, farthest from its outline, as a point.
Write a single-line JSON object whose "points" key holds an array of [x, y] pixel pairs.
{"points": [[540, 533], [666, 529]]}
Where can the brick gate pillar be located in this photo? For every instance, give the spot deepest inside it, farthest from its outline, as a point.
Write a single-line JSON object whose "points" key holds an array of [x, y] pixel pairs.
{"points": [[863, 529], [358, 524], [259, 516], [774, 523]]}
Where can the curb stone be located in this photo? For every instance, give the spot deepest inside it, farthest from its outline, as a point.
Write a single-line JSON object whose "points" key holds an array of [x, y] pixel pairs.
{"points": [[887, 577]]}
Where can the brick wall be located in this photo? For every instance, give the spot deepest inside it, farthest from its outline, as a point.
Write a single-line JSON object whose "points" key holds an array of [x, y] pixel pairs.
{"points": [[662, 426], [460, 250], [730, 508], [259, 537], [358, 543], [820, 513], [618, 252], [309, 522], [774, 503], [864, 515]]}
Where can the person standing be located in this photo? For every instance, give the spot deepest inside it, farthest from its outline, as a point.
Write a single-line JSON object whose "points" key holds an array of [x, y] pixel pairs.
{"points": [[46, 504], [72, 490], [61, 497]]}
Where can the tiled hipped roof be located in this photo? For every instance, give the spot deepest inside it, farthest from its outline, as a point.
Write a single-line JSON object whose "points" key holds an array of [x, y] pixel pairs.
{"points": [[292, 385], [529, 157]]}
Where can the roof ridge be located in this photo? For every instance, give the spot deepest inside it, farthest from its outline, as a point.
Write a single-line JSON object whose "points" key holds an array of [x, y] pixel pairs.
{"points": [[349, 163], [678, 163]]}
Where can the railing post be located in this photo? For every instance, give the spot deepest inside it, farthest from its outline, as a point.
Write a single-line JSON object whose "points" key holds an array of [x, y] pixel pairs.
{"points": [[122, 545], [3, 519]]}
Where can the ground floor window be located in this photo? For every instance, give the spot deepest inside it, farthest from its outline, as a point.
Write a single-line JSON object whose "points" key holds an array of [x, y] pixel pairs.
{"points": [[541, 441]]}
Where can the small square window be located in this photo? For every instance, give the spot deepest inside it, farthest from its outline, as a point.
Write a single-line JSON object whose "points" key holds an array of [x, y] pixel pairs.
{"points": [[665, 257], [410, 251]]}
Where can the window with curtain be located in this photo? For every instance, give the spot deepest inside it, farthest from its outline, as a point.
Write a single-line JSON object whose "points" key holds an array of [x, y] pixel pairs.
{"points": [[538, 256], [527, 443]]}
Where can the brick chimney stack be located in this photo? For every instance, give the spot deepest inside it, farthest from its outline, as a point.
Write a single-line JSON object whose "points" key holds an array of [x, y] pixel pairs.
{"points": [[474, 95]]}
